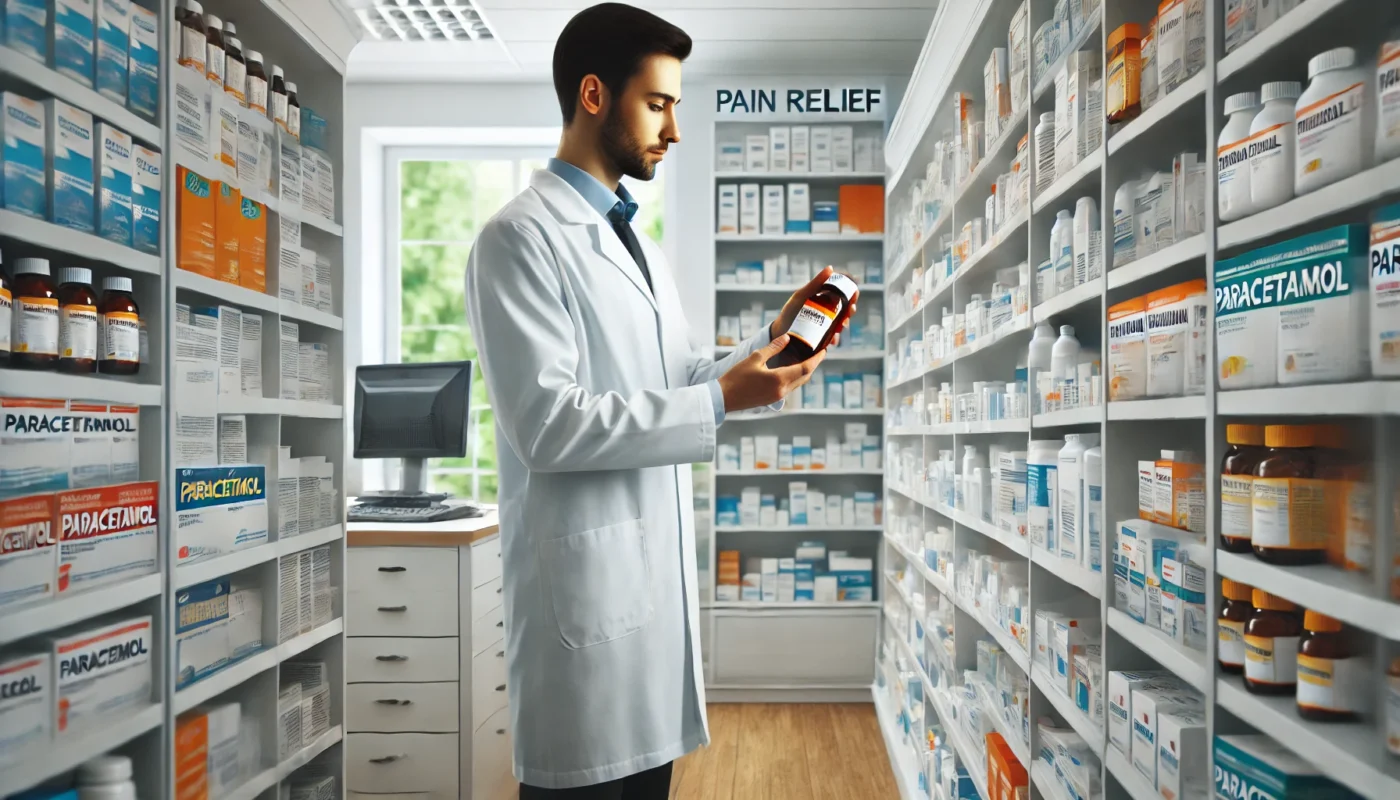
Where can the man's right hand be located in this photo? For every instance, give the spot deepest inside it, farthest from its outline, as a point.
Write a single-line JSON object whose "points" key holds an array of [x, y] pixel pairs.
{"points": [[752, 384]]}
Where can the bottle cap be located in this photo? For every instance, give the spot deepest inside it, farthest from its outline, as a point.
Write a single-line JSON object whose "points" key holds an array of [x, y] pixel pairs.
{"points": [[1337, 58], [291, 87], [1268, 602], [1280, 90], [1066, 330], [191, 5], [32, 266], [104, 769], [213, 21], [1234, 590], [229, 27], [1048, 118], [235, 43], [81, 275], [1244, 434], [1320, 623], [1241, 102], [276, 71], [1130, 30], [253, 55], [116, 284], [1288, 435]]}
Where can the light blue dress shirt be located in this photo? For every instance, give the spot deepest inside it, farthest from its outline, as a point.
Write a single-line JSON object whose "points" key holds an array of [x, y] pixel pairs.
{"points": [[611, 204]]}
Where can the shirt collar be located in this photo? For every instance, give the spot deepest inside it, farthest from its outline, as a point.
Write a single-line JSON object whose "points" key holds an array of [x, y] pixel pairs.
{"points": [[604, 200]]}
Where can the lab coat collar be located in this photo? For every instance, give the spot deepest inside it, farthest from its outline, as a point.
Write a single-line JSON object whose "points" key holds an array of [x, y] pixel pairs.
{"points": [[571, 208]]}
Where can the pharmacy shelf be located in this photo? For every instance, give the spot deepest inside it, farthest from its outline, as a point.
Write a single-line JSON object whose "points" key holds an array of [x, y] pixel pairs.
{"points": [[1347, 596], [782, 288], [1291, 24], [756, 604], [255, 786], [296, 646], [924, 570], [769, 416], [309, 315], [972, 754], [1188, 664], [121, 391], [1301, 212], [790, 473], [1019, 747], [1081, 38], [321, 223], [69, 90], [1018, 325], [203, 165], [1166, 106], [271, 406], [1349, 753], [906, 771], [1083, 294], [1366, 398], [225, 293], [1132, 781], [1093, 735], [88, 246], [238, 673], [825, 238], [1086, 415], [1013, 542], [1065, 183], [913, 314], [1160, 261], [835, 354], [1159, 408], [52, 761], [29, 620], [993, 426], [1009, 234], [1086, 580], [1043, 776], [305, 541], [200, 571], [797, 528], [740, 175], [1003, 637], [1016, 127]]}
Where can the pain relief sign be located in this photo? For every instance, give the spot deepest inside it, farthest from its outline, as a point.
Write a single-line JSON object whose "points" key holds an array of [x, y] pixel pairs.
{"points": [[106, 535], [219, 510], [841, 101]]}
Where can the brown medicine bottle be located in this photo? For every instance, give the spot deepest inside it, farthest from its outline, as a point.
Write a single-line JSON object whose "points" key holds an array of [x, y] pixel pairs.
{"points": [[1237, 485], [214, 50], [7, 307], [1271, 645], [119, 346], [293, 111], [77, 321], [256, 90], [1346, 482], [235, 71], [1288, 525], [194, 43], [1234, 613], [277, 97], [1330, 684], [34, 344], [819, 319]]}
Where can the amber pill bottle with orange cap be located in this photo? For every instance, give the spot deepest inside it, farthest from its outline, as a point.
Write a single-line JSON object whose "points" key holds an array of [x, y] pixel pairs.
{"points": [[1288, 510], [1237, 485], [818, 321], [1330, 685], [1271, 645], [1234, 613]]}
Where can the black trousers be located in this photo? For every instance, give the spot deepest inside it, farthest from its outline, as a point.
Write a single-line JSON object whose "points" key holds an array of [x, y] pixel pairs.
{"points": [[654, 784]]}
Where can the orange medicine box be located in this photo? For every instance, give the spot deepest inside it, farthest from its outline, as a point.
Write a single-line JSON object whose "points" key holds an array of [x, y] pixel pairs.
{"points": [[1179, 496], [192, 757], [29, 560], [194, 223], [252, 247], [729, 567], [862, 208], [1004, 772], [228, 223]]}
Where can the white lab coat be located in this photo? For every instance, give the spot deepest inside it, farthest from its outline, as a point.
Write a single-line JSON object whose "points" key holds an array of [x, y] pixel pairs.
{"points": [[598, 398]]}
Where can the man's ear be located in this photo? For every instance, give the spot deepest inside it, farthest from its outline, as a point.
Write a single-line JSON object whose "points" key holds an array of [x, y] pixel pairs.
{"points": [[592, 95]]}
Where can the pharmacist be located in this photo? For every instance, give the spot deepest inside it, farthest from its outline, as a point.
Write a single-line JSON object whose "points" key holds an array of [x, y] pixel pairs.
{"points": [[602, 406]]}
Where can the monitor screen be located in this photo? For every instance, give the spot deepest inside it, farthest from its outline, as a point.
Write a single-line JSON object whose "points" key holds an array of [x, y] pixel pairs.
{"points": [[412, 411]]}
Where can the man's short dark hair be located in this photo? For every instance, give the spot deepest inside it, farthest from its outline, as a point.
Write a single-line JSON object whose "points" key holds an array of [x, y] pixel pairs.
{"points": [[610, 40]]}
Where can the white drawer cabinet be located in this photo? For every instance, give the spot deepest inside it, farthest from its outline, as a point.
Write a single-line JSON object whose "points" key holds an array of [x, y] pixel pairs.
{"points": [[426, 711]]}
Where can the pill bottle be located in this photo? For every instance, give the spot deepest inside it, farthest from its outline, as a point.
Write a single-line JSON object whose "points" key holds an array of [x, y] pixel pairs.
{"points": [[7, 304], [1287, 503], [256, 85], [1237, 485], [1045, 151], [34, 340], [1235, 612], [189, 15], [1124, 228], [235, 71], [1122, 90], [1232, 155], [214, 50], [1335, 121], [1388, 99], [119, 331], [819, 319], [1271, 645], [277, 95], [77, 321], [1062, 251], [293, 111], [1271, 138], [1349, 498], [1392, 707], [1330, 685], [106, 778]]}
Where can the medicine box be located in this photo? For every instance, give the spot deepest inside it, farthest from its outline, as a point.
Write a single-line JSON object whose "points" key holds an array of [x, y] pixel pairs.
{"points": [[774, 220], [29, 561], [24, 189], [252, 247], [71, 34], [728, 213], [201, 631], [799, 144], [144, 60], [114, 186], [219, 510], [853, 578], [26, 706], [821, 150], [70, 151], [1181, 753], [113, 25], [730, 157], [1148, 705], [843, 149], [24, 27], [145, 199], [756, 153], [194, 222], [768, 577], [826, 217], [749, 208], [1179, 496], [222, 723], [799, 208], [779, 149], [1120, 706], [107, 535], [1256, 766], [228, 215], [765, 452], [103, 672], [1147, 490]]}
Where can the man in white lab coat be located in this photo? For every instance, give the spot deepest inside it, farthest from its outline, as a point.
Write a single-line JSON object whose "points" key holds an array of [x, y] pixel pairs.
{"points": [[601, 406]]}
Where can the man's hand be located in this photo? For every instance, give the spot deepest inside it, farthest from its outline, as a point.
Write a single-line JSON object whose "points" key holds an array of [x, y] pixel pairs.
{"points": [[794, 303], [751, 384]]}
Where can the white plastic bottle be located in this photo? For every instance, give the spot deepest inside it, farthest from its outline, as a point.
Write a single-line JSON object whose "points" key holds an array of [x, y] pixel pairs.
{"points": [[1271, 149], [971, 461], [1232, 155], [1070, 484], [1038, 361], [1062, 251], [106, 778], [1336, 125], [1087, 243], [1045, 151], [1092, 557], [1042, 492], [1064, 366], [1388, 101], [1124, 229]]}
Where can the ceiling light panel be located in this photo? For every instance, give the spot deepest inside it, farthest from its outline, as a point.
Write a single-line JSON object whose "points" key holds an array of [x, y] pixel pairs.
{"points": [[420, 20]]}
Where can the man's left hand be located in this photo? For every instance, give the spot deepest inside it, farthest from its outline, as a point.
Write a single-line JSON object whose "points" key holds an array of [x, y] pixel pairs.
{"points": [[794, 304]]}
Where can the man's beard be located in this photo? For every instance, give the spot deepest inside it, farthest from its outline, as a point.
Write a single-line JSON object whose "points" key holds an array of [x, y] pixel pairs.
{"points": [[623, 149]]}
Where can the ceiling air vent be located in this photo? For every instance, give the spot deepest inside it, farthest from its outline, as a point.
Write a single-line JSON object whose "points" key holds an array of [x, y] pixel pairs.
{"points": [[420, 20]]}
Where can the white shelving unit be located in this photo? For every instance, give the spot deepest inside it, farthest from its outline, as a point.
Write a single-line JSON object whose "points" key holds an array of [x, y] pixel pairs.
{"points": [[148, 734], [1186, 119]]}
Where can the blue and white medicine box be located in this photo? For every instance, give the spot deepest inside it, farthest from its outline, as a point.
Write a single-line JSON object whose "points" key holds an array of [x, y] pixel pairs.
{"points": [[805, 582], [826, 217], [1257, 766], [73, 36], [69, 151], [727, 510], [22, 128], [854, 582], [114, 185], [201, 631], [113, 23], [799, 208], [145, 199], [219, 510], [24, 26], [144, 62]]}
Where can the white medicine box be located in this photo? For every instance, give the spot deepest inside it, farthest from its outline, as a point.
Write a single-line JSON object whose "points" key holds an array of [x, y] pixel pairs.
{"points": [[729, 156], [779, 149], [799, 145], [756, 153], [821, 149], [773, 219], [799, 208], [842, 148], [728, 212], [749, 208]]}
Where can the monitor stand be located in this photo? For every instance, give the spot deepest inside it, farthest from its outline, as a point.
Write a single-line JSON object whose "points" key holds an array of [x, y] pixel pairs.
{"points": [[412, 495]]}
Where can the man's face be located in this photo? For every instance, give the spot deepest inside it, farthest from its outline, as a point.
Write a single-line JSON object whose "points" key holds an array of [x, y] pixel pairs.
{"points": [[641, 122]]}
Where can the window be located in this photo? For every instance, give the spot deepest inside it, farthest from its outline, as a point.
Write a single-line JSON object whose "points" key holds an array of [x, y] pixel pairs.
{"points": [[438, 199]]}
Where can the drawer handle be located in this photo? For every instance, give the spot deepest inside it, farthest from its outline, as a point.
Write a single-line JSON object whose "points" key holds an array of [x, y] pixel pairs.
{"points": [[393, 569], [392, 702], [394, 609], [387, 759], [501, 688], [500, 731], [391, 658], [500, 624], [498, 590], [501, 654]]}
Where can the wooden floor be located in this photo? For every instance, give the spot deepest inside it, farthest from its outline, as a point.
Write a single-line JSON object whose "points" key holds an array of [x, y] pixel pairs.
{"points": [[788, 750]]}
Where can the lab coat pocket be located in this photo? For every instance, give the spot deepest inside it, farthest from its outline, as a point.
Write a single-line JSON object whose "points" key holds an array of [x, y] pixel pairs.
{"points": [[599, 582]]}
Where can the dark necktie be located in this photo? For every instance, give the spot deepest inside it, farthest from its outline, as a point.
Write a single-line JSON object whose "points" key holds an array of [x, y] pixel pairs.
{"points": [[623, 229]]}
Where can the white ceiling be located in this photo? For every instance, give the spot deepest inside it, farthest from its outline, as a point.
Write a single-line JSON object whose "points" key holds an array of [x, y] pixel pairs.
{"points": [[732, 37]]}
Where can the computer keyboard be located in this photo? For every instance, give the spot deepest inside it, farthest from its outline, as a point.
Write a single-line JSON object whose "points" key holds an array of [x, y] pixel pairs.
{"points": [[371, 513]]}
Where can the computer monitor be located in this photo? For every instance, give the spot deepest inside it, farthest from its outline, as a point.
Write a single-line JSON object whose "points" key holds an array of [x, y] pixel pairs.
{"points": [[413, 412]]}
